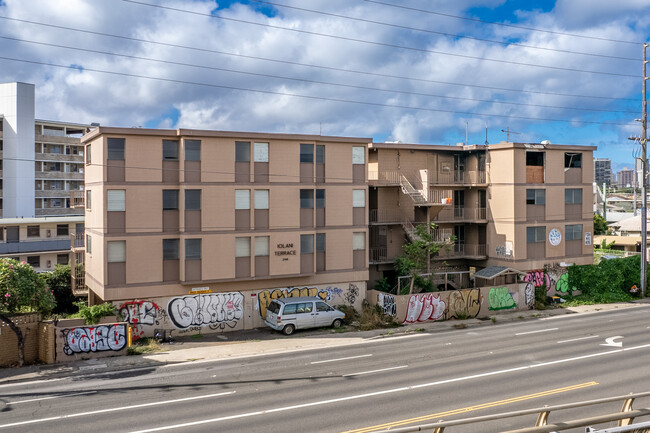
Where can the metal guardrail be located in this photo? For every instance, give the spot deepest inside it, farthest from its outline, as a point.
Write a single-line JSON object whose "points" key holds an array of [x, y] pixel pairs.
{"points": [[625, 418]]}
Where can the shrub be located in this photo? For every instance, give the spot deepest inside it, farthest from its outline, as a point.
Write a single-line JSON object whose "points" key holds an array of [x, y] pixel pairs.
{"points": [[92, 314]]}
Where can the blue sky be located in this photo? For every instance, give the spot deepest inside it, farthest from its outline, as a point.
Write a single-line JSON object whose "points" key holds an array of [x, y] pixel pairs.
{"points": [[414, 71]]}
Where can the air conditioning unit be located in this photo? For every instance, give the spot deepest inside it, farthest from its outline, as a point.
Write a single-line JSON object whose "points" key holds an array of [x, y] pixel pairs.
{"points": [[49, 234]]}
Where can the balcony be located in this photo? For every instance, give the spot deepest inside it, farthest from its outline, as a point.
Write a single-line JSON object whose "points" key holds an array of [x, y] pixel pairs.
{"points": [[78, 242], [56, 139], [471, 178], [462, 214], [387, 216], [59, 157], [467, 251], [380, 255], [52, 193], [35, 246], [77, 199], [59, 175], [55, 211]]}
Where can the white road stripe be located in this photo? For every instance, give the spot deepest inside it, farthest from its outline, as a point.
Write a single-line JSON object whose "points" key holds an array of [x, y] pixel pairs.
{"points": [[51, 397], [375, 371], [114, 409], [29, 383], [577, 339], [538, 331], [373, 394], [341, 359]]}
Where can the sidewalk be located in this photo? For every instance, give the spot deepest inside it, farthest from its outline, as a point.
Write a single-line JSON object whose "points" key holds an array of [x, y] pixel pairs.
{"points": [[264, 341]]}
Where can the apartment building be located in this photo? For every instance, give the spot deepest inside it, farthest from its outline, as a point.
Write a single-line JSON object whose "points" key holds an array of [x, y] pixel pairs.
{"points": [[626, 178], [603, 171], [199, 230], [41, 169], [517, 205]]}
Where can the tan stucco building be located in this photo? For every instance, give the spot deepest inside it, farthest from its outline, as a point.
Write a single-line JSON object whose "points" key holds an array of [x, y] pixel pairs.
{"points": [[192, 229], [519, 205]]}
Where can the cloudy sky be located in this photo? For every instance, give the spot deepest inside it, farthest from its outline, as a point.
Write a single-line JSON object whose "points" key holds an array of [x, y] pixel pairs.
{"points": [[417, 71]]}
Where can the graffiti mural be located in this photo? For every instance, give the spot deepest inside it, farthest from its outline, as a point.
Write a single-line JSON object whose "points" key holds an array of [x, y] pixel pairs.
{"points": [[562, 285], [216, 310], [529, 293], [500, 299], [139, 314], [387, 303], [352, 294], [538, 279], [94, 339], [333, 292], [422, 308], [265, 297], [463, 304]]}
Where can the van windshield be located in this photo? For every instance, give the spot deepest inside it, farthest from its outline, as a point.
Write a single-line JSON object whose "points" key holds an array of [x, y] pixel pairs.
{"points": [[274, 307]]}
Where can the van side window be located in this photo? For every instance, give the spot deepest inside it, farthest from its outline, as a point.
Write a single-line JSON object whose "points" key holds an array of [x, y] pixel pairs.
{"points": [[300, 308], [322, 306], [290, 309], [308, 307]]}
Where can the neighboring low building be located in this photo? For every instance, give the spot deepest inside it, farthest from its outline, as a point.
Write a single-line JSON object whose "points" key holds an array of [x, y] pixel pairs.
{"points": [[199, 230]]}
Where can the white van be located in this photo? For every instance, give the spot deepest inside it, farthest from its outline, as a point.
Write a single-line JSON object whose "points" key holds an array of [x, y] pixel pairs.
{"points": [[289, 314]]}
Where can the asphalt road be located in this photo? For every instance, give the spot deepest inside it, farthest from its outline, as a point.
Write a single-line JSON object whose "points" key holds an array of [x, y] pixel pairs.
{"points": [[398, 381]]}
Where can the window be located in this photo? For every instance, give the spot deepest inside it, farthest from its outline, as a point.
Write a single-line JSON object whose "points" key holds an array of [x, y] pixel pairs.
{"points": [[170, 249], [116, 251], [242, 151], [262, 199], [358, 241], [261, 246], [89, 245], [306, 199], [115, 149], [306, 244], [192, 199], [88, 155], [242, 199], [320, 242], [88, 199], [535, 234], [322, 306], [33, 231], [192, 150], [307, 153], [34, 261], [320, 154], [536, 196], [261, 152], [115, 200], [535, 159], [62, 230], [358, 155], [572, 160], [55, 166], [192, 249], [242, 247], [359, 198], [320, 198], [170, 150], [573, 232], [170, 199], [573, 196], [62, 259]]}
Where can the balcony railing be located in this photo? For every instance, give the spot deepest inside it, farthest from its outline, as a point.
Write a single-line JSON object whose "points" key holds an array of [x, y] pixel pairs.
{"points": [[380, 255], [77, 199], [394, 216], [34, 246], [69, 175], [459, 178], [77, 240], [462, 250], [461, 214]]}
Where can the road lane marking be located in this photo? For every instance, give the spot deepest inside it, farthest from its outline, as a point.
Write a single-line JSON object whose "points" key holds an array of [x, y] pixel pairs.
{"points": [[30, 383], [577, 339], [114, 409], [375, 371], [341, 359], [538, 331], [50, 397], [472, 408], [610, 342]]}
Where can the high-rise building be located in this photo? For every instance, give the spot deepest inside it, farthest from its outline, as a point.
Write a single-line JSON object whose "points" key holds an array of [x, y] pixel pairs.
{"points": [[42, 170], [602, 171], [626, 178]]}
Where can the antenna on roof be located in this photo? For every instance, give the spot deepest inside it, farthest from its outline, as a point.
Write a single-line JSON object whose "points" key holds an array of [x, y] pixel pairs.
{"points": [[486, 142], [508, 132]]}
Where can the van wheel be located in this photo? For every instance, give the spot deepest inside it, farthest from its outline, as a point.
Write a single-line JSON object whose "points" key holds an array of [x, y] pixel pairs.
{"points": [[337, 323], [288, 330]]}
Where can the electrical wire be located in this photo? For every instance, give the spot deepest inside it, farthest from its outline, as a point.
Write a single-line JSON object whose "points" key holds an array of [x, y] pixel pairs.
{"points": [[384, 44], [311, 97], [329, 68], [351, 86]]}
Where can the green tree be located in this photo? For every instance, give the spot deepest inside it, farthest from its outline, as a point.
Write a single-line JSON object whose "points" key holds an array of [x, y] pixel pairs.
{"points": [[59, 283], [600, 225], [21, 291], [417, 254]]}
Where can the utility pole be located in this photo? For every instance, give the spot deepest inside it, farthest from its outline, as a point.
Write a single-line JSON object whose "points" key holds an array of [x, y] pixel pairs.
{"points": [[644, 188]]}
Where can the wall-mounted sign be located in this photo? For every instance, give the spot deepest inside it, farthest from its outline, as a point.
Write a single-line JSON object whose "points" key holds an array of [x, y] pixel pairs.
{"points": [[199, 290], [285, 250], [587, 238], [555, 237]]}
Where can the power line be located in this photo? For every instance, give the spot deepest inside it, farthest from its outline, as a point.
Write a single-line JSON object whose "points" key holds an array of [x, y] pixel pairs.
{"points": [[320, 98], [453, 35], [377, 89], [575, 35], [374, 74], [382, 44]]}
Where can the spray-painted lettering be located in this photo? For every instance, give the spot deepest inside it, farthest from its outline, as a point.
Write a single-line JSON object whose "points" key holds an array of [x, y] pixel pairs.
{"points": [[139, 313], [265, 297], [387, 302], [94, 338], [422, 308], [500, 299], [216, 310]]}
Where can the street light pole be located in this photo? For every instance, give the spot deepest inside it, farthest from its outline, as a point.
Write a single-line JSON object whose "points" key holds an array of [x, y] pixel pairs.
{"points": [[644, 210]]}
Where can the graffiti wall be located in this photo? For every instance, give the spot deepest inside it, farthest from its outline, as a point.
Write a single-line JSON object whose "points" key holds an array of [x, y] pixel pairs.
{"points": [[77, 341], [554, 278], [454, 304], [220, 312]]}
